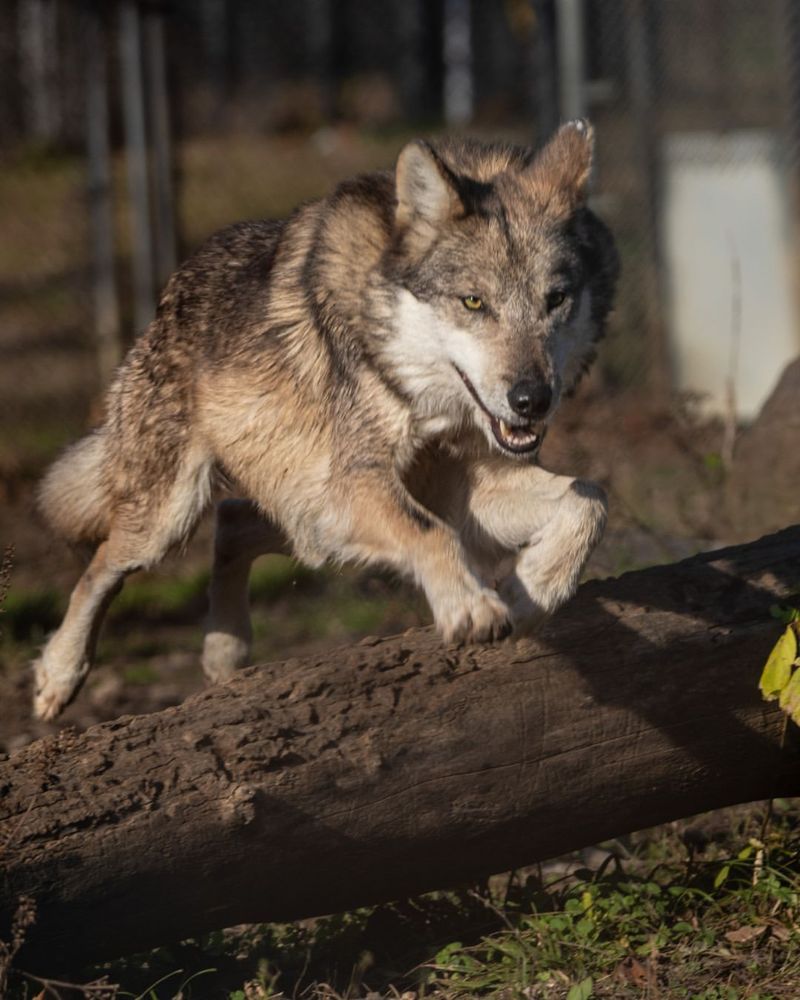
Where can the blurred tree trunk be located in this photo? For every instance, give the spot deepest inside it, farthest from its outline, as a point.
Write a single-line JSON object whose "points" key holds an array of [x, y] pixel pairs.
{"points": [[399, 765], [38, 44]]}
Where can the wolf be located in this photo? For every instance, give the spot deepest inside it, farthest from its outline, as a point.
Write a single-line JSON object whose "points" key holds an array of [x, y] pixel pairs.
{"points": [[372, 377]]}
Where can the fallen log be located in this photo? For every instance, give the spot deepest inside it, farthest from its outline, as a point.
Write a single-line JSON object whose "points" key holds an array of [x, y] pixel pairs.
{"points": [[397, 765]]}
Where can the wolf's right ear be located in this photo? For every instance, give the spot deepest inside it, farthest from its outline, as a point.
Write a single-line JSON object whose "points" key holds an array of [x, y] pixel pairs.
{"points": [[560, 173], [426, 194]]}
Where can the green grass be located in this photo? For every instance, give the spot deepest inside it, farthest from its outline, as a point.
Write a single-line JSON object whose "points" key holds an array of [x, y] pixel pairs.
{"points": [[155, 613]]}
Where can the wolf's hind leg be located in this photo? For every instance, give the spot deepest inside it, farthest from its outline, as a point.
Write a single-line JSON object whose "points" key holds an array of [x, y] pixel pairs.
{"points": [[67, 658], [142, 531], [547, 526], [242, 534]]}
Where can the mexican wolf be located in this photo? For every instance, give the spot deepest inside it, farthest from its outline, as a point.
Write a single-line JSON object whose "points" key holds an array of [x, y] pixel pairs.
{"points": [[373, 377]]}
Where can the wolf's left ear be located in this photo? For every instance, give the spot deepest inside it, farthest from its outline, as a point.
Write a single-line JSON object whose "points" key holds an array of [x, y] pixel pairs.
{"points": [[426, 194], [564, 166]]}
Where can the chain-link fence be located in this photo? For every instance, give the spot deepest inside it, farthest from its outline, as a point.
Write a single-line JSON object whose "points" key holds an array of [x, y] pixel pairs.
{"points": [[131, 130]]}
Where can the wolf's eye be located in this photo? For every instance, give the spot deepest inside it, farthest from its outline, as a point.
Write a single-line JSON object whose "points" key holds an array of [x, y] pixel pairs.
{"points": [[555, 299], [473, 302]]}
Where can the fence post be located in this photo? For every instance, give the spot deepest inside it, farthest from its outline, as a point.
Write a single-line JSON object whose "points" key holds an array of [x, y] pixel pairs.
{"points": [[641, 56], [158, 100], [571, 59], [106, 304], [136, 162], [457, 54], [546, 70]]}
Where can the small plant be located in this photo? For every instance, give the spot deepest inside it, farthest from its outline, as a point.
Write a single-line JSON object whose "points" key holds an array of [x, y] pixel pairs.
{"points": [[24, 917]]}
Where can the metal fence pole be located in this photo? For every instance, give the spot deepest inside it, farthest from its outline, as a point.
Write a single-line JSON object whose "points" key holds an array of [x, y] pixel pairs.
{"points": [[158, 101], [546, 98], [571, 58], [791, 23], [457, 57], [640, 59], [106, 304], [136, 161]]}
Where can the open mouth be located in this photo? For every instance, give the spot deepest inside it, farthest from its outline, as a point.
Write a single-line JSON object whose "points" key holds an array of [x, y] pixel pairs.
{"points": [[519, 440]]}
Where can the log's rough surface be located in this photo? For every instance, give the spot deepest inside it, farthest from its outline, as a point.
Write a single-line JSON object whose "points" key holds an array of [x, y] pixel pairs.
{"points": [[397, 765]]}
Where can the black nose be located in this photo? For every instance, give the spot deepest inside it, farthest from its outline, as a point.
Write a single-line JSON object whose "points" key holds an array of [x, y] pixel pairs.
{"points": [[530, 399]]}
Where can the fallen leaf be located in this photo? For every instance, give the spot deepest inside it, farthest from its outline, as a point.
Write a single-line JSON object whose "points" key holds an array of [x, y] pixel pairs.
{"points": [[631, 970], [744, 934]]}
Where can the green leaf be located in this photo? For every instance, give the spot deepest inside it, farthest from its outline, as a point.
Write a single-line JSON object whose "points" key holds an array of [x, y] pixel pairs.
{"points": [[784, 613], [722, 874], [778, 669], [444, 954], [790, 698], [582, 990]]}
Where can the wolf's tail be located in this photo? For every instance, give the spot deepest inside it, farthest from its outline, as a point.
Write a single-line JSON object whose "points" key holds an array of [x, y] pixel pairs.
{"points": [[73, 495]]}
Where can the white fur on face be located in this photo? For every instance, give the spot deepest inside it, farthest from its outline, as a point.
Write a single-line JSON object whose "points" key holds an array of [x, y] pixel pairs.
{"points": [[425, 348], [427, 345]]}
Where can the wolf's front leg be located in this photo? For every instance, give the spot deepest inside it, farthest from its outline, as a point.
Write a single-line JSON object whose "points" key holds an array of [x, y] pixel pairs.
{"points": [[380, 523], [547, 525]]}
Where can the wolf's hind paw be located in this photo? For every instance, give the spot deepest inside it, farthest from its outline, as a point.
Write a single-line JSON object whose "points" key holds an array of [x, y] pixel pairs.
{"points": [[51, 694], [223, 654]]}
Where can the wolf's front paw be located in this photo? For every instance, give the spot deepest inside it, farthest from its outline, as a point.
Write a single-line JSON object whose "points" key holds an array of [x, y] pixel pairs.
{"points": [[530, 609], [482, 617], [53, 690]]}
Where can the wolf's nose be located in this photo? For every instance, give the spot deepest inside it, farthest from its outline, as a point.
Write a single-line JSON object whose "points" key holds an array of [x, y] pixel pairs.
{"points": [[529, 398]]}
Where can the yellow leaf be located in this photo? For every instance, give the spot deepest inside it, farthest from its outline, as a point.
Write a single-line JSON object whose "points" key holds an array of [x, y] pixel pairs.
{"points": [[790, 698], [778, 669]]}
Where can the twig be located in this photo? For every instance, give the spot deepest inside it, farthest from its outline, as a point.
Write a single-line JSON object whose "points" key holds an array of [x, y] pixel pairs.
{"points": [[99, 988], [729, 429]]}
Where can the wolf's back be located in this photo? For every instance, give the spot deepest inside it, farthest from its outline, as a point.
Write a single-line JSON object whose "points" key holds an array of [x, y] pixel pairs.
{"points": [[72, 495]]}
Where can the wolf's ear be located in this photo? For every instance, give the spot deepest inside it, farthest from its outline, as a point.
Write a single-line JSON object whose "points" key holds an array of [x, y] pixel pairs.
{"points": [[426, 193], [563, 168]]}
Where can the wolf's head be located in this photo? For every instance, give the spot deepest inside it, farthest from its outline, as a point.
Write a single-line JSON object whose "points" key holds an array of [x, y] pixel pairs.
{"points": [[503, 280]]}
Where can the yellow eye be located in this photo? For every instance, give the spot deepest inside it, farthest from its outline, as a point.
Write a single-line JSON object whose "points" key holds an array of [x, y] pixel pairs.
{"points": [[473, 302]]}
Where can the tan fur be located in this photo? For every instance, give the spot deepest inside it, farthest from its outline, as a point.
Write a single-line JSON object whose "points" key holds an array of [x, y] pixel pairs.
{"points": [[327, 368]]}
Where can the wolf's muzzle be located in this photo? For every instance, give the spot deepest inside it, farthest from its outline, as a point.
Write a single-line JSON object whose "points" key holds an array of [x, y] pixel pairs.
{"points": [[530, 399]]}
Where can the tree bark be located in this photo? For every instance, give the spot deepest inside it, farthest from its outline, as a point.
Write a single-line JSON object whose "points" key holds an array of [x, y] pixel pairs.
{"points": [[399, 765], [764, 486]]}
